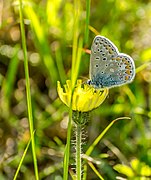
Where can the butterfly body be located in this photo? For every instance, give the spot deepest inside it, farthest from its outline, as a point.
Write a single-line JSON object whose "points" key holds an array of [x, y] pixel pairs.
{"points": [[108, 67]]}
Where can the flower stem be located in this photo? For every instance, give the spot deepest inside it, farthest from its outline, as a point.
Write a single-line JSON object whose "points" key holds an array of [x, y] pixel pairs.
{"points": [[78, 151], [80, 121]]}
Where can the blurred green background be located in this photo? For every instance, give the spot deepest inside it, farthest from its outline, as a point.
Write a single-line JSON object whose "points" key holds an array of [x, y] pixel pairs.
{"points": [[49, 34]]}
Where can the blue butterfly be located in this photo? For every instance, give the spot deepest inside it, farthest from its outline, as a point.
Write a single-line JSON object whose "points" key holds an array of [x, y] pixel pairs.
{"points": [[108, 67]]}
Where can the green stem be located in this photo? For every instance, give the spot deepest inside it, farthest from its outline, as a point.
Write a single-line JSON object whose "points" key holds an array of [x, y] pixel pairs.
{"points": [[78, 152], [29, 104], [80, 119]]}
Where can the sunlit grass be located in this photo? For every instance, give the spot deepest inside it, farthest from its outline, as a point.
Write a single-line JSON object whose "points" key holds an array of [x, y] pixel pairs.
{"points": [[42, 44]]}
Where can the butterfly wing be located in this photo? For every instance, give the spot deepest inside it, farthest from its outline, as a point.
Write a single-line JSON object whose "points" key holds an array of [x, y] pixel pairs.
{"points": [[108, 67]]}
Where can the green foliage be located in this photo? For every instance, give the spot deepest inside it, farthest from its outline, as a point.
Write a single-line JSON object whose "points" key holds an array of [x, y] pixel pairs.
{"points": [[137, 170], [54, 50]]}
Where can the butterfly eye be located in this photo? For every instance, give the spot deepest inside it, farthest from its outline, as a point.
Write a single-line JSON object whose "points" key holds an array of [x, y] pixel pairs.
{"points": [[89, 82]]}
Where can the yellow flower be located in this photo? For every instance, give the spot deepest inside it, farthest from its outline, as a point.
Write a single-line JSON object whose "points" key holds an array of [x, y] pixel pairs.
{"points": [[85, 97]]}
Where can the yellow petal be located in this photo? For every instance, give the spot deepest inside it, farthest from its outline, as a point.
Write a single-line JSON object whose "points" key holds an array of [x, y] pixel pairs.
{"points": [[85, 97]]}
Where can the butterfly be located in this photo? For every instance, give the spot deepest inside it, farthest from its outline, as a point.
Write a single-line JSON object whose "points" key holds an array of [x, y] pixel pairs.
{"points": [[108, 67]]}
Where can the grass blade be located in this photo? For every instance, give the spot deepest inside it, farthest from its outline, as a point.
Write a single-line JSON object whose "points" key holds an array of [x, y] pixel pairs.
{"points": [[90, 149], [42, 43], [95, 170], [8, 84], [22, 159], [88, 2], [29, 103]]}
